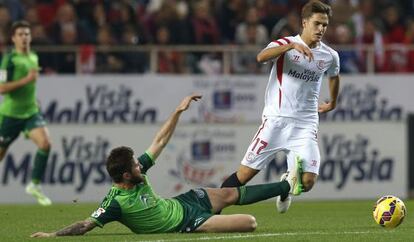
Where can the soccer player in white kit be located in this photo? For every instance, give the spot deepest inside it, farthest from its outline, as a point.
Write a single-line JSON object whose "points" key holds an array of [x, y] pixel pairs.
{"points": [[290, 116]]}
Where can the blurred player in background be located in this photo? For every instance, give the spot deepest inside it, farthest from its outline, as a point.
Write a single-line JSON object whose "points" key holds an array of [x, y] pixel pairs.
{"points": [[19, 111], [132, 201], [290, 116]]}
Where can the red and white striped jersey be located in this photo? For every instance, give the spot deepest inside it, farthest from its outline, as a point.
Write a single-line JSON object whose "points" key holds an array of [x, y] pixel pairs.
{"points": [[294, 82]]}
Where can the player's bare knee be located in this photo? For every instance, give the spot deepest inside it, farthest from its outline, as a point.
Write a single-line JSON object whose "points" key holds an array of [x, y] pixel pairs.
{"points": [[252, 224], [307, 184], [245, 174], [2, 153], [45, 145]]}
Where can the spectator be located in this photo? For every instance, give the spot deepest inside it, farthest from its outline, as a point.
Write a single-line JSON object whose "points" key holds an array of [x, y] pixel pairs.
{"points": [[250, 32], [344, 10], [252, 23], [107, 61], [372, 36], [47, 60], [245, 61], [97, 20], [395, 59], [126, 18], [409, 40], [348, 58], [32, 16], [204, 24], [365, 11], [65, 17], [66, 60], [229, 15], [168, 61], [134, 61], [15, 9], [290, 24], [175, 20], [5, 23]]}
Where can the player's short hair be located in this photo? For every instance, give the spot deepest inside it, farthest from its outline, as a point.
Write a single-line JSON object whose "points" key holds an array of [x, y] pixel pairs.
{"points": [[120, 160], [315, 6], [19, 24]]}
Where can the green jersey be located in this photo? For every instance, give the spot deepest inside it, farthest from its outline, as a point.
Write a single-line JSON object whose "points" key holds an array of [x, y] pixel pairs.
{"points": [[20, 103], [140, 209]]}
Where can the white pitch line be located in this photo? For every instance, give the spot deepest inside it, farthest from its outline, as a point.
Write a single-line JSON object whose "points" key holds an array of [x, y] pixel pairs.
{"points": [[238, 236]]}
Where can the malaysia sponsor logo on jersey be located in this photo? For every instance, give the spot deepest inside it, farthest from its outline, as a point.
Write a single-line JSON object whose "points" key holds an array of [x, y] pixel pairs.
{"points": [[98, 212], [307, 75]]}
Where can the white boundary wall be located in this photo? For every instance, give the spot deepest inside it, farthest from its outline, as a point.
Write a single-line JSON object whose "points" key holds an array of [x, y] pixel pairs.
{"points": [[227, 99]]}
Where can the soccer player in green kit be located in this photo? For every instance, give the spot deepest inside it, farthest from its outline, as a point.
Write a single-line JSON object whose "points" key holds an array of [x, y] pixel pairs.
{"points": [[19, 111], [132, 201]]}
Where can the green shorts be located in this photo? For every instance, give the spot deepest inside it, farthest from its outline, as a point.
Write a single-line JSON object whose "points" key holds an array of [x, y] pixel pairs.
{"points": [[197, 209], [10, 128]]}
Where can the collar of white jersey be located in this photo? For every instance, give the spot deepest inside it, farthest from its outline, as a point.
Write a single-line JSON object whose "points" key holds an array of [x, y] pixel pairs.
{"points": [[319, 44]]}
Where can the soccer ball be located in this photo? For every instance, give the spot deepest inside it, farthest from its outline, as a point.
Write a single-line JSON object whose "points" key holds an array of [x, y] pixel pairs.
{"points": [[389, 211]]}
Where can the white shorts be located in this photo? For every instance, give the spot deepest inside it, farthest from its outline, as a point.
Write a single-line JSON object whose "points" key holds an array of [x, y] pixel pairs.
{"points": [[284, 134]]}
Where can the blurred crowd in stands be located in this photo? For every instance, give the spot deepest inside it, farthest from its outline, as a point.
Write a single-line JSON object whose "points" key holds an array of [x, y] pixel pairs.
{"points": [[90, 24]]}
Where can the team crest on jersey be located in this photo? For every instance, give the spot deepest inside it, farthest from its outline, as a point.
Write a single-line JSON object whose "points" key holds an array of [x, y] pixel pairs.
{"points": [[199, 192], [320, 64], [98, 212]]}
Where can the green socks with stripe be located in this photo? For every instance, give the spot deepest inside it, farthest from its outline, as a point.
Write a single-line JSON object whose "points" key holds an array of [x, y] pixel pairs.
{"points": [[256, 193], [39, 167]]}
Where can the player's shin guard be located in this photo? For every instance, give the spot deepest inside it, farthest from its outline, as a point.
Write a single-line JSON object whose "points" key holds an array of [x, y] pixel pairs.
{"points": [[256, 193], [39, 167], [232, 181]]}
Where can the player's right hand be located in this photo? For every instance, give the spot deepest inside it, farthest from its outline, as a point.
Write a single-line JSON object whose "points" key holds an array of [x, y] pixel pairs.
{"points": [[185, 103], [304, 50]]}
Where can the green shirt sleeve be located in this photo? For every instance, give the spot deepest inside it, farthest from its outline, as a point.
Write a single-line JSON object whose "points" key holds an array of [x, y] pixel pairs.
{"points": [[146, 160], [105, 214]]}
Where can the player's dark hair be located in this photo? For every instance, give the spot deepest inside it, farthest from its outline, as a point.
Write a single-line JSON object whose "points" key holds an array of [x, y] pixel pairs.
{"points": [[315, 6], [19, 24], [120, 160]]}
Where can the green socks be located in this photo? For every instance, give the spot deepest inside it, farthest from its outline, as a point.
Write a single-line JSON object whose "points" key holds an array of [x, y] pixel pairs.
{"points": [[256, 193], [39, 167]]}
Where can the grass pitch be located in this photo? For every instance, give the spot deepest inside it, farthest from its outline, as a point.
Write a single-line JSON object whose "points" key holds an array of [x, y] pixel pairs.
{"points": [[305, 221]]}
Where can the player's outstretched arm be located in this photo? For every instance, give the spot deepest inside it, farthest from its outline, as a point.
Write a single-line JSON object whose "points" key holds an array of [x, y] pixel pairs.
{"points": [[272, 53], [334, 90], [9, 86], [164, 134], [78, 228]]}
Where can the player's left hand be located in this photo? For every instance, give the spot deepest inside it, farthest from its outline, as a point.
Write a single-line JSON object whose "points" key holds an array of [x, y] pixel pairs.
{"points": [[326, 107], [185, 103], [42, 235]]}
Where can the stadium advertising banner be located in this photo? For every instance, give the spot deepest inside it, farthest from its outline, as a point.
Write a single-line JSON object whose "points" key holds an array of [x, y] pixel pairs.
{"points": [[359, 160], [111, 99], [130, 99], [371, 98]]}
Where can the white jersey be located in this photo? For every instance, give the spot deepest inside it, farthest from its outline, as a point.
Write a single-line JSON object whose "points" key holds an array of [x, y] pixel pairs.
{"points": [[294, 82]]}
